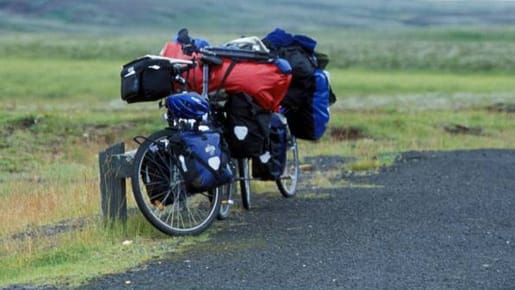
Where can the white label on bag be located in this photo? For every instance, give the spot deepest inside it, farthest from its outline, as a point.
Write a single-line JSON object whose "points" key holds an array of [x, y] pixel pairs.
{"points": [[130, 72], [210, 149], [214, 162], [265, 157], [156, 67], [183, 163], [241, 132]]}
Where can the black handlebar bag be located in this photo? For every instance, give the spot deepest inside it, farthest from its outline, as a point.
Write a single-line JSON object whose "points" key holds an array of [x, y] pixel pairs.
{"points": [[148, 78]]}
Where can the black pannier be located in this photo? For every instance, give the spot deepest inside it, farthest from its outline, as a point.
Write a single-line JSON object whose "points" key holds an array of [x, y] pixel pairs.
{"points": [[246, 126], [148, 78], [270, 165]]}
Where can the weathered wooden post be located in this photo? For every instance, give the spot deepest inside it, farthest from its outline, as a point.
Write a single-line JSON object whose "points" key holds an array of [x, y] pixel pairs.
{"points": [[115, 165]]}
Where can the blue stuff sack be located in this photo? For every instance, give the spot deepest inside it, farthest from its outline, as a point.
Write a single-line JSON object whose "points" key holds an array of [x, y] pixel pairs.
{"points": [[278, 38], [309, 121], [203, 159], [283, 65], [306, 42]]}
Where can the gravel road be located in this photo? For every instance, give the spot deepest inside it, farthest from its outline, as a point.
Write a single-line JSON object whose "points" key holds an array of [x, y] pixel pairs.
{"points": [[434, 220]]}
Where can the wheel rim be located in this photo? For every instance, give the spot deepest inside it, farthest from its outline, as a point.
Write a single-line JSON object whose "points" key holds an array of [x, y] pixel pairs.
{"points": [[162, 196], [226, 202], [289, 178], [244, 172]]}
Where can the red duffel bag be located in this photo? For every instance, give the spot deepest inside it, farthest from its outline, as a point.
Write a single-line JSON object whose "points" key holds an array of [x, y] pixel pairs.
{"points": [[263, 81]]}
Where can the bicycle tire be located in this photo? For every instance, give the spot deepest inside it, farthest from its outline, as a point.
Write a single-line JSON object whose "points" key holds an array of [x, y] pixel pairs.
{"points": [[227, 192], [226, 201], [244, 180], [287, 182], [172, 210]]}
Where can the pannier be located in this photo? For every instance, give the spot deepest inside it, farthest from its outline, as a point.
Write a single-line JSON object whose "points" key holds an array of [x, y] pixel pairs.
{"points": [[309, 120], [246, 126], [270, 165], [148, 78], [203, 160]]}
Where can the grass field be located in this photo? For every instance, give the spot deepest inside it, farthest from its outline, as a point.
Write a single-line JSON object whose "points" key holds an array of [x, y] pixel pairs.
{"points": [[60, 106]]}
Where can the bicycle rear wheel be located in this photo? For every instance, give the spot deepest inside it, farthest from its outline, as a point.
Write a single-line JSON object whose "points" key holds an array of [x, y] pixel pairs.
{"points": [[160, 191], [287, 183]]}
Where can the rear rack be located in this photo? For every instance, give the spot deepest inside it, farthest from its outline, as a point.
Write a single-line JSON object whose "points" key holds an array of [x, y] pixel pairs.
{"points": [[238, 54]]}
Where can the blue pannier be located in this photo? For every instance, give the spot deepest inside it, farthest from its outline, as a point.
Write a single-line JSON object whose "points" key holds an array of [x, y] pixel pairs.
{"points": [[203, 160]]}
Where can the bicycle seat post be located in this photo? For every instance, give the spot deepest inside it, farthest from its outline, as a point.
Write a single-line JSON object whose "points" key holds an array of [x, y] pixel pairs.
{"points": [[207, 61]]}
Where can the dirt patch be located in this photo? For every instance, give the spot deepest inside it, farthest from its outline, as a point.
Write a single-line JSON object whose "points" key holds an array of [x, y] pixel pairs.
{"points": [[462, 129], [347, 133], [104, 133], [502, 108], [325, 162], [51, 230], [23, 123]]}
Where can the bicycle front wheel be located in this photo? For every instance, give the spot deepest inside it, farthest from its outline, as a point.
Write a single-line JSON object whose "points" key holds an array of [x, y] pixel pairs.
{"points": [[287, 183], [160, 191]]}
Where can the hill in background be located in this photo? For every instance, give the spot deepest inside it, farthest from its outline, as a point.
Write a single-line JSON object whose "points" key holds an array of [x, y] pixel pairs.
{"points": [[129, 16]]}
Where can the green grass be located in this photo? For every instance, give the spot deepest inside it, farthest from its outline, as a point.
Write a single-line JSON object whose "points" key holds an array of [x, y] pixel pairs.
{"points": [[360, 82], [57, 79], [389, 133], [473, 49], [35, 82], [60, 106]]}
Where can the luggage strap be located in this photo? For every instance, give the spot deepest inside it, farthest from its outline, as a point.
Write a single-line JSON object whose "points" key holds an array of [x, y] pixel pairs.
{"points": [[224, 78]]}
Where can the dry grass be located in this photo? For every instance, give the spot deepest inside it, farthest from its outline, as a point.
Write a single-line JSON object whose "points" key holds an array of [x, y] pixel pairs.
{"points": [[35, 203]]}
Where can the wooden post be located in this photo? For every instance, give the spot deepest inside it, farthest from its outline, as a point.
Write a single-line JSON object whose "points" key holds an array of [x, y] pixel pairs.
{"points": [[112, 184]]}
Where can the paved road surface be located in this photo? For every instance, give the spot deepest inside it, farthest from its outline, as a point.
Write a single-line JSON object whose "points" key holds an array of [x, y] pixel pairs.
{"points": [[432, 221]]}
